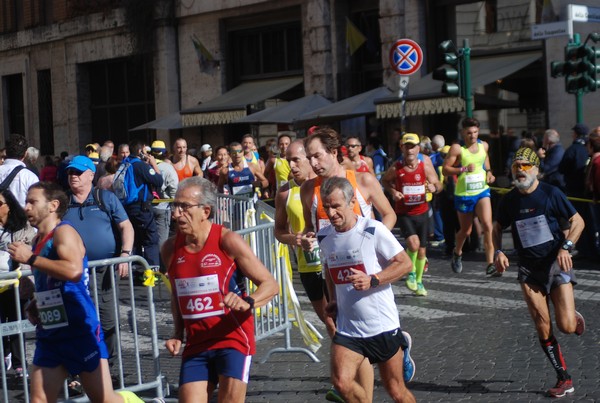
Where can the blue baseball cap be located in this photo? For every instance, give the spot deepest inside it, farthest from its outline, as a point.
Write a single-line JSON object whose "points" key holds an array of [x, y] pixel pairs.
{"points": [[82, 163]]}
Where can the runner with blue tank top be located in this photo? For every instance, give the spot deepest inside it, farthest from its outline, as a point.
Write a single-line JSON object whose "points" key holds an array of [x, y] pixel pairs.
{"points": [[69, 336], [471, 164]]}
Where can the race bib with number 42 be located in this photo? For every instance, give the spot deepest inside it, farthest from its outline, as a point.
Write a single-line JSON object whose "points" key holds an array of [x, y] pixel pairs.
{"points": [[339, 265]]}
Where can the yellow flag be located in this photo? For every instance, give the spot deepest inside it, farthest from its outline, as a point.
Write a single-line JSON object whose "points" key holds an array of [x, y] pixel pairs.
{"points": [[354, 38]]}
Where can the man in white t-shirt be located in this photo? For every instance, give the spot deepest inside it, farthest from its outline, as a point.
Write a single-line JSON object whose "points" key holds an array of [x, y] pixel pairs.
{"points": [[361, 258]]}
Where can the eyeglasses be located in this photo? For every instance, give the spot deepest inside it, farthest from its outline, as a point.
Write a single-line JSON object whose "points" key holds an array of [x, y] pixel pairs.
{"points": [[183, 207], [525, 166], [235, 152], [352, 145], [74, 172]]}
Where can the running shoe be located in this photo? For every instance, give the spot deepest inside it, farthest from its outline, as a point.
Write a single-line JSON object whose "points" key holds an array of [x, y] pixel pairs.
{"points": [[562, 388], [411, 281], [130, 397], [334, 396], [490, 270], [421, 291], [408, 364], [456, 263], [8, 361], [580, 328]]}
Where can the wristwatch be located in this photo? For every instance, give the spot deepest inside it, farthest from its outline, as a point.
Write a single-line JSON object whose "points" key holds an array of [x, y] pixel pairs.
{"points": [[126, 251], [567, 245], [374, 281]]}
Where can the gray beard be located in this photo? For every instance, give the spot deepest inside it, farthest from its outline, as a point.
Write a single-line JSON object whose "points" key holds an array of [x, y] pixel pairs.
{"points": [[526, 184]]}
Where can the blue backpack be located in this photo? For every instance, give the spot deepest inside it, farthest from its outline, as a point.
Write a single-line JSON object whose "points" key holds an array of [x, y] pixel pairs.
{"points": [[124, 183]]}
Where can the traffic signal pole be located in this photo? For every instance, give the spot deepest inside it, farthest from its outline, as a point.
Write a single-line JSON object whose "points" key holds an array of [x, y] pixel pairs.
{"points": [[468, 94]]}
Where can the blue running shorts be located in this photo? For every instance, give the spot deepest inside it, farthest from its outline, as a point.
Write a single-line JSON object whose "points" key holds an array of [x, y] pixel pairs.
{"points": [[466, 204], [207, 366], [81, 354]]}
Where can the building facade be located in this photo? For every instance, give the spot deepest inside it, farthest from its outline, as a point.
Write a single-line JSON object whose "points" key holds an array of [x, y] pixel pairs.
{"points": [[75, 72]]}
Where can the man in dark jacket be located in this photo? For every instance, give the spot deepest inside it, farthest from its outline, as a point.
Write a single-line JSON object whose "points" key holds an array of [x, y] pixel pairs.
{"points": [[573, 163]]}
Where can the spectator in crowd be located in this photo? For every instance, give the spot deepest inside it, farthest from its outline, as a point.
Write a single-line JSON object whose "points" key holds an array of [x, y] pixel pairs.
{"points": [[447, 210], [573, 163], [16, 147], [206, 152], [105, 155], [110, 145], [551, 153], [105, 182], [162, 211], [529, 143], [2, 155], [106, 231], [123, 152], [437, 160], [593, 186], [31, 158], [185, 165], [146, 176], [379, 157], [14, 227], [91, 151], [426, 147], [49, 172]]}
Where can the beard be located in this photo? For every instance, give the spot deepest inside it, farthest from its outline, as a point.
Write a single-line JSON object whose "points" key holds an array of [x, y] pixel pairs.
{"points": [[526, 184]]}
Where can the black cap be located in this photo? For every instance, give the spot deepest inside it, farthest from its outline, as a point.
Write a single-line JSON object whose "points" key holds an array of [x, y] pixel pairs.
{"points": [[581, 129]]}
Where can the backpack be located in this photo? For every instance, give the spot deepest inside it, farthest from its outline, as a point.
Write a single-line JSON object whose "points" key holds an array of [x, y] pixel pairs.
{"points": [[124, 185]]}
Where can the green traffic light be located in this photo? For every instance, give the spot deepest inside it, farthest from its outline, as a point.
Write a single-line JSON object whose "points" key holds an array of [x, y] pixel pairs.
{"points": [[451, 89]]}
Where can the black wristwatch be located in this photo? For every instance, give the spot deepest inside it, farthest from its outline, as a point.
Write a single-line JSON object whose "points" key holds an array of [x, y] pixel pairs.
{"points": [[567, 245], [374, 281], [250, 301]]}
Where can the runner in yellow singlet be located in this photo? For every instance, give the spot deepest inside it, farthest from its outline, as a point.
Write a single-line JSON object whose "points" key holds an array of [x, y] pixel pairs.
{"points": [[289, 224], [471, 163]]}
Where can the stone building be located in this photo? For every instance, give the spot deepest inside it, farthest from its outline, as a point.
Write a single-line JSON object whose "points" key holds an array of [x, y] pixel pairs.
{"points": [[76, 71]]}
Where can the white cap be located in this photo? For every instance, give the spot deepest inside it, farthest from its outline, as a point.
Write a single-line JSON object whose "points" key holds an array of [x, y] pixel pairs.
{"points": [[205, 147]]}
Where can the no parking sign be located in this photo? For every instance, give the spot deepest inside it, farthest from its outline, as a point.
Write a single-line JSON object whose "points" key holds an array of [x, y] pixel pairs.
{"points": [[406, 56]]}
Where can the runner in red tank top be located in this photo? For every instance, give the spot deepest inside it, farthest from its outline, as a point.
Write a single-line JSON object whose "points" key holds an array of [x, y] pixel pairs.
{"points": [[407, 182], [359, 162], [208, 265]]}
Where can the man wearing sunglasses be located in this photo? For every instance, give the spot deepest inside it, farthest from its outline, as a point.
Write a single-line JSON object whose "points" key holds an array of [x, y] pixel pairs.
{"points": [[544, 227], [359, 162], [242, 177]]}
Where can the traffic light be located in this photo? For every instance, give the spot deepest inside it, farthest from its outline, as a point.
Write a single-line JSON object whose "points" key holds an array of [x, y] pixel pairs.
{"points": [[450, 74], [580, 68]]}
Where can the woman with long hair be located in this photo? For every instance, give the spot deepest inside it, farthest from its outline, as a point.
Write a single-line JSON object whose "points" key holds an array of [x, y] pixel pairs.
{"points": [[14, 226]]}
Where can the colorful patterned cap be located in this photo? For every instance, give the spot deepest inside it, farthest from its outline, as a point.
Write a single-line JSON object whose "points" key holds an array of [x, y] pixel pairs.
{"points": [[527, 154]]}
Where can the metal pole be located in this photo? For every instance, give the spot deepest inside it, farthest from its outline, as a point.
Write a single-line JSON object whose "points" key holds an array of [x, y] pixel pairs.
{"points": [[579, 106], [467, 86]]}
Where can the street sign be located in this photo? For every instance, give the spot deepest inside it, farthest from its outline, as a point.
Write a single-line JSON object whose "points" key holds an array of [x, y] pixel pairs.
{"points": [[406, 56], [584, 13], [550, 30]]}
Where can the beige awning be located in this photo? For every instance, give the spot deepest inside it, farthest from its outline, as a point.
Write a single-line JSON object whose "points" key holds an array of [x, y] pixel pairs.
{"points": [[425, 97], [233, 104]]}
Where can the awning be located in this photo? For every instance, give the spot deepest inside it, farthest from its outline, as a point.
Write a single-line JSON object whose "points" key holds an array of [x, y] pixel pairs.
{"points": [[425, 97], [169, 122], [287, 112], [232, 105], [358, 105]]}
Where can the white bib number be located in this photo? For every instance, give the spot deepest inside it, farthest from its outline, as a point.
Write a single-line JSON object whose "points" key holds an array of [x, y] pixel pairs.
{"points": [[475, 181], [199, 297], [533, 231], [51, 309], [339, 265], [413, 194]]}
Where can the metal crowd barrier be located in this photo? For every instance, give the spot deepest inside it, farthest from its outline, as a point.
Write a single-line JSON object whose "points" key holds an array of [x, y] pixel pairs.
{"points": [[143, 371], [279, 316]]}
